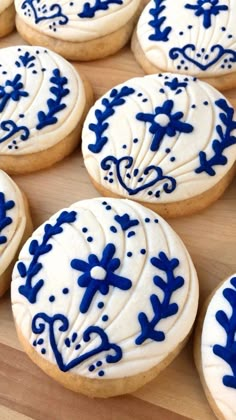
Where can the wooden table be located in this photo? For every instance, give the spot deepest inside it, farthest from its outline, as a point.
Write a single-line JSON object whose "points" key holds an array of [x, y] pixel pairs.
{"points": [[26, 392]]}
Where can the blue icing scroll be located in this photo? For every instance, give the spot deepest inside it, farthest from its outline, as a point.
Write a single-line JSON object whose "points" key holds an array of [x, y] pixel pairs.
{"points": [[5, 220], [41, 12]]}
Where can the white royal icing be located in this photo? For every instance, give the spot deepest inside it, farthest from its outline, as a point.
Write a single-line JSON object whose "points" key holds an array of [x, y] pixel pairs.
{"points": [[4, 4], [42, 99], [76, 21], [217, 340], [12, 220], [96, 244], [160, 138], [197, 37]]}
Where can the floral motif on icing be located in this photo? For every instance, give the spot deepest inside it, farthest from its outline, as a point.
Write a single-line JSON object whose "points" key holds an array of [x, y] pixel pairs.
{"points": [[89, 10], [5, 220], [12, 90], [99, 276], [207, 9], [161, 33], [26, 60]]}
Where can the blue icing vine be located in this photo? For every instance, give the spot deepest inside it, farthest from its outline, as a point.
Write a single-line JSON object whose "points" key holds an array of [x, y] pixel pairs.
{"points": [[218, 146], [117, 98], [228, 323], [4, 219], [11, 90], [90, 11], [29, 290], [11, 128], [168, 187], [126, 222], [207, 9], [218, 50], [160, 33], [164, 309], [25, 60], [99, 276], [59, 321], [41, 12], [164, 123], [54, 105]]}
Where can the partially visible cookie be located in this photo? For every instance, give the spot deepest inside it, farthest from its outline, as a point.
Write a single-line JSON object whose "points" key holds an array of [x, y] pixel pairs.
{"points": [[104, 296], [215, 349], [43, 102], [193, 37], [7, 17], [15, 227], [78, 30], [167, 141]]}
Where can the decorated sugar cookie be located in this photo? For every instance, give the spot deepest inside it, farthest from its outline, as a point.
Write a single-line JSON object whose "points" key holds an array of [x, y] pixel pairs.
{"points": [[194, 37], [43, 102], [104, 296], [81, 30], [166, 140], [215, 349], [15, 227], [7, 17]]}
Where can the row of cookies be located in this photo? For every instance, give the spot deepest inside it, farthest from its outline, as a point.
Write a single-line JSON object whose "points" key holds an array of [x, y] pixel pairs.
{"points": [[196, 37]]}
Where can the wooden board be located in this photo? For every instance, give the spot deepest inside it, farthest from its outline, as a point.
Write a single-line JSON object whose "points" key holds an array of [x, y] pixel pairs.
{"points": [[26, 392]]}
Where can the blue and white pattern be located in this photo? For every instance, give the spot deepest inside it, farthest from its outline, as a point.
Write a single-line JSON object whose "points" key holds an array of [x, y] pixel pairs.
{"points": [[196, 37], [89, 306], [160, 139]]}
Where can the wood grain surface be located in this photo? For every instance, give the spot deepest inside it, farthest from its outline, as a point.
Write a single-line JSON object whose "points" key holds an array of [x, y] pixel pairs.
{"points": [[25, 391]]}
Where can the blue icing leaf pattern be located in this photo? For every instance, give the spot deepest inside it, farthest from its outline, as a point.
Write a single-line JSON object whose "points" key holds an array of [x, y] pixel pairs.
{"points": [[226, 140], [5, 220], [164, 123], [30, 290], [26, 60], [176, 85], [99, 276], [54, 105], [125, 221], [12, 90], [117, 98], [160, 33], [90, 11], [166, 308], [227, 352], [207, 9], [41, 12], [60, 322]]}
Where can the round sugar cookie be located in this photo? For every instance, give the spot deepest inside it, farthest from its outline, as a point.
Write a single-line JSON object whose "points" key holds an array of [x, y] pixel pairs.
{"points": [[194, 37], [7, 17], [15, 227], [43, 102], [104, 296], [215, 349], [166, 140], [78, 30]]}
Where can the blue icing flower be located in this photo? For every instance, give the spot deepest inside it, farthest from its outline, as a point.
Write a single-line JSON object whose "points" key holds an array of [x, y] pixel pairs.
{"points": [[174, 84], [11, 90], [99, 275], [207, 9], [164, 123]]}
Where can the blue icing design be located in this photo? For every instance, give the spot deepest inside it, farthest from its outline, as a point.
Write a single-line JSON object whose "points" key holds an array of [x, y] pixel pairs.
{"points": [[90, 11], [12, 90], [164, 123], [25, 60], [11, 128], [160, 33], [175, 85], [125, 221], [164, 309], [117, 98], [218, 52], [168, 187], [218, 146], [228, 323], [98, 276], [29, 290], [60, 322], [41, 12], [4, 219], [54, 105], [207, 9]]}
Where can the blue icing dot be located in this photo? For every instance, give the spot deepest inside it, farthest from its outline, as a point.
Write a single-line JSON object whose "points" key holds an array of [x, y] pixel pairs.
{"points": [[67, 342], [145, 100], [77, 347], [113, 229], [130, 234], [101, 373], [124, 146], [90, 239], [105, 318], [167, 150], [43, 351], [99, 363], [65, 291], [156, 221], [104, 203], [51, 298], [108, 207], [91, 368], [150, 192], [74, 337], [100, 305], [140, 94], [135, 140], [147, 220], [129, 254], [40, 341], [84, 230], [172, 159], [205, 103], [35, 343], [143, 251]]}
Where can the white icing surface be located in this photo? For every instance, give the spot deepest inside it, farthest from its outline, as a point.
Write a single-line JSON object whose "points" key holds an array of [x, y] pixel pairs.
{"points": [[188, 28], [121, 306], [4, 4], [78, 28], [15, 230], [124, 127], [215, 368], [37, 84]]}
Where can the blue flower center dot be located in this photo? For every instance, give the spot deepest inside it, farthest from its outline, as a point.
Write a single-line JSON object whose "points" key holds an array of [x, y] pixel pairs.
{"points": [[98, 273]]}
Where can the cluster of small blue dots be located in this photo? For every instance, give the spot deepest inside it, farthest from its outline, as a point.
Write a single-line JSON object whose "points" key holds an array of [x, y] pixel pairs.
{"points": [[39, 343], [93, 367], [52, 298], [89, 238]]}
